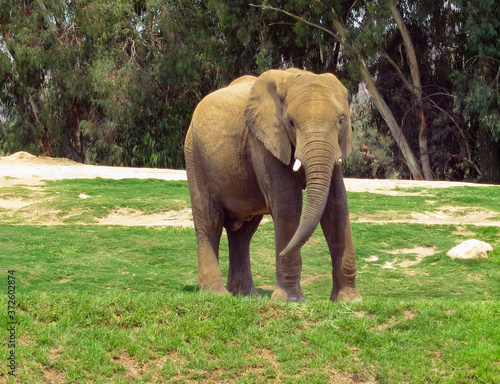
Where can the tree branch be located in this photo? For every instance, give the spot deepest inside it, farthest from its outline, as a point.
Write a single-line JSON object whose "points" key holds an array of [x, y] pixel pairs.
{"points": [[400, 74], [326, 30]]}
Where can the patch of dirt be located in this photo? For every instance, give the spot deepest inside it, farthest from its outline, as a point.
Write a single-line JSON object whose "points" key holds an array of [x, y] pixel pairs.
{"points": [[270, 358], [53, 376], [363, 314], [388, 186], [13, 204], [461, 231], [53, 354], [26, 169], [131, 365], [421, 252], [42, 160], [474, 277], [126, 217], [442, 216], [407, 315], [458, 215], [312, 278]]}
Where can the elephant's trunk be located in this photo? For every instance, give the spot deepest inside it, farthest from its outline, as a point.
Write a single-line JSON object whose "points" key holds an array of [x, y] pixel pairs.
{"points": [[318, 160]]}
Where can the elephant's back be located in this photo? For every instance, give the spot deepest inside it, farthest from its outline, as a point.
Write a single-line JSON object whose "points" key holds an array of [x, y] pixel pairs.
{"points": [[218, 131], [222, 112], [226, 101]]}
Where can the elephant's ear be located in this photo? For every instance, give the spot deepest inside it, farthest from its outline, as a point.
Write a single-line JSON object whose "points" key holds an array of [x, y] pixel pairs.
{"points": [[346, 144], [264, 112]]}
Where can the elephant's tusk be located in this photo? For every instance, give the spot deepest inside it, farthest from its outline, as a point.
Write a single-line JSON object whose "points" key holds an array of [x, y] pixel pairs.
{"points": [[339, 162], [296, 165]]}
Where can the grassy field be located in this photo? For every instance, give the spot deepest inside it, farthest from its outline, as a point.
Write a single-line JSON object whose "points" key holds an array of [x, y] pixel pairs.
{"points": [[120, 304]]}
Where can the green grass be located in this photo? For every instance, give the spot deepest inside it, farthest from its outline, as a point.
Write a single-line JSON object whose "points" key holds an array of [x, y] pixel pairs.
{"points": [[62, 198], [165, 337], [426, 199], [114, 304], [108, 258]]}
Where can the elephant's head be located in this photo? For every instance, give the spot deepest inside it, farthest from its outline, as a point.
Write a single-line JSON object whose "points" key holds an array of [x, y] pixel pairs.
{"points": [[302, 116]]}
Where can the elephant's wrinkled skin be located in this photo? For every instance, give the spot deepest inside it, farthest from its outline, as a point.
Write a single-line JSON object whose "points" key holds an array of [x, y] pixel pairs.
{"points": [[240, 149]]}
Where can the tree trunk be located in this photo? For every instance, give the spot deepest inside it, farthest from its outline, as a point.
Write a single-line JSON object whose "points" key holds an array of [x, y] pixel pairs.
{"points": [[46, 142], [78, 137], [45, 138], [393, 125], [489, 156], [417, 91]]}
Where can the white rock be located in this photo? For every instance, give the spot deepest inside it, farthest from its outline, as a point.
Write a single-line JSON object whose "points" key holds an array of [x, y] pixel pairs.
{"points": [[83, 196], [471, 249]]}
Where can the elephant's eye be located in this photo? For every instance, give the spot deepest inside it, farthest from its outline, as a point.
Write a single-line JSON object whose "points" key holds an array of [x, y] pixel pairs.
{"points": [[342, 120], [291, 123]]}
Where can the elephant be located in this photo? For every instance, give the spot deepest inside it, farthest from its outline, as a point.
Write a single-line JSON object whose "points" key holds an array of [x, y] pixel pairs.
{"points": [[250, 150]]}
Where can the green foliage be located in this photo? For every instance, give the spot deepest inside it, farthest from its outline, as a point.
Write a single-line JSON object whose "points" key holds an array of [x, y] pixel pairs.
{"points": [[116, 88], [456, 45], [119, 87], [477, 84]]}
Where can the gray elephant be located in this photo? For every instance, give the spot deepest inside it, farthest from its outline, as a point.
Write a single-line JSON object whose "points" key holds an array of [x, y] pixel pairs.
{"points": [[250, 150]]}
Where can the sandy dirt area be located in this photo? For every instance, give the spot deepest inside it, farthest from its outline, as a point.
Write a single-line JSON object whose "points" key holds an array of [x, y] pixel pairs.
{"points": [[26, 169]]}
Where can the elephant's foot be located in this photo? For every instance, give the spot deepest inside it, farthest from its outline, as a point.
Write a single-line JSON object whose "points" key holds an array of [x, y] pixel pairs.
{"points": [[242, 289], [293, 296], [346, 294], [215, 286]]}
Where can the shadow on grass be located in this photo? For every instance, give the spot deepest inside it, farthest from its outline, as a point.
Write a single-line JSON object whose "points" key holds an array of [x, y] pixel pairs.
{"points": [[190, 289], [264, 292]]}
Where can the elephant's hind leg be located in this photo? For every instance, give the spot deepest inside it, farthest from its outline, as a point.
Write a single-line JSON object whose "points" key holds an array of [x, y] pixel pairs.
{"points": [[209, 273], [240, 279], [208, 220]]}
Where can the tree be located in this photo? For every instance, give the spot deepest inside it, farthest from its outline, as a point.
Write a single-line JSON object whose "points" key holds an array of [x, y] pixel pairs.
{"points": [[409, 55], [415, 88], [115, 82], [477, 81], [65, 71]]}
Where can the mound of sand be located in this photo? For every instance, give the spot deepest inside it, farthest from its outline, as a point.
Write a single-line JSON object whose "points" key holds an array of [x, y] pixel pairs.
{"points": [[28, 169]]}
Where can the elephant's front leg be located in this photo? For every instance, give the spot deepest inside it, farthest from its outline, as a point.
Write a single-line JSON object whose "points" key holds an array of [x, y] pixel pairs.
{"points": [[337, 229], [286, 218]]}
